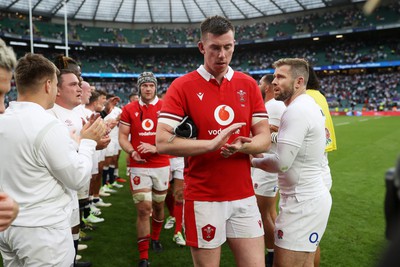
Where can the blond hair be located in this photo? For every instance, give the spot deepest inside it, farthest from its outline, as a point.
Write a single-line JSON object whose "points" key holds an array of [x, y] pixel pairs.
{"points": [[8, 60]]}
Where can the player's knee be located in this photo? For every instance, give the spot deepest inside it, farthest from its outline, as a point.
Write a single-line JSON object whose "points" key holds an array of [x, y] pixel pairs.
{"points": [[141, 196], [158, 198]]}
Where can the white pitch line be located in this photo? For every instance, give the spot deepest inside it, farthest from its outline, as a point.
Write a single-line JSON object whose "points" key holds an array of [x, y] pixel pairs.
{"points": [[342, 123], [364, 120]]}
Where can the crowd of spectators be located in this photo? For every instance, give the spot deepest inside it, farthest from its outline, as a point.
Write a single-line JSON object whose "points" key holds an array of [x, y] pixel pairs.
{"points": [[364, 91], [374, 91], [315, 22]]}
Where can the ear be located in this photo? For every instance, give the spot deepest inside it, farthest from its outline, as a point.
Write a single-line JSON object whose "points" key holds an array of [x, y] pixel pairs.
{"points": [[47, 86], [200, 45], [299, 82]]}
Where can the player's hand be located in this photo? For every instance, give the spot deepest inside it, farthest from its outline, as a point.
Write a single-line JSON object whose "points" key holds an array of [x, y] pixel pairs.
{"points": [[8, 211], [94, 131], [146, 148], [229, 149], [103, 142], [223, 137], [136, 157], [111, 123]]}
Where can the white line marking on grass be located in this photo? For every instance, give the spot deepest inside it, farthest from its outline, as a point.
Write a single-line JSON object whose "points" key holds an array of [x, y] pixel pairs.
{"points": [[342, 123], [364, 120]]}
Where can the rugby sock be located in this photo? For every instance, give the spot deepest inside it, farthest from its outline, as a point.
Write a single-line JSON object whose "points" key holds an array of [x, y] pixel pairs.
{"points": [[156, 228], [143, 247], [178, 210], [111, 176], [116, 172], [169, 201], [105, 173], [75, 237], [269, 259], [86, 209], [96, 199]]}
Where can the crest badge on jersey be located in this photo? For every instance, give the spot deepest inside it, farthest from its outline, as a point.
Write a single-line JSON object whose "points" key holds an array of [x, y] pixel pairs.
{"points": [[242, 95], [208, 232], [147, 125], [224, 115]]}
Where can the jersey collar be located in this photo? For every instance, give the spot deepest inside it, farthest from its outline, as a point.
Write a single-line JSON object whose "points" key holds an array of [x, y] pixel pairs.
{"points": [[208, 76], [153, 102]]}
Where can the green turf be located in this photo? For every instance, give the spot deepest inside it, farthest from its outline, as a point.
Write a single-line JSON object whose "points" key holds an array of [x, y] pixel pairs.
{"points": [[367, 147]]}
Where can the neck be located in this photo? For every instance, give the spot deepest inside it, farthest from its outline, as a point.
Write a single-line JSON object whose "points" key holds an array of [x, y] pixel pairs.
{"points": [[2, 106], [90, 107], [40, 100], [64, 105], [296, 93]]}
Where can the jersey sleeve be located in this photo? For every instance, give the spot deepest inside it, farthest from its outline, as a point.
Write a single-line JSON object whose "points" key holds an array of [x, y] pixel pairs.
{"points": [[172, 111]]}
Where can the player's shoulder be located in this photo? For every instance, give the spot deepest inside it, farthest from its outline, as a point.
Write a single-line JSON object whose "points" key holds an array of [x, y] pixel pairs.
{"points": [[188, 77]]}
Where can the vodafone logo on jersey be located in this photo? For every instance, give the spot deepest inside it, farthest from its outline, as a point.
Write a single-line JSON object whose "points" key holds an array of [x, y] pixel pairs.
{"points": [[224, 115], [147, 125]]}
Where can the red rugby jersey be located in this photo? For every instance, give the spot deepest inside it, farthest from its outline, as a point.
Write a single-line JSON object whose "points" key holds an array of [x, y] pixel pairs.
{"points": [[142, 119], [213, 107]]}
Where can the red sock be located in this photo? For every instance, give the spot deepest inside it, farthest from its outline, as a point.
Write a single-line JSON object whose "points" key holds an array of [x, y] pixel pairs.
{"points": [[169, 201], [143, 247], [156, 229], [178, 209]]}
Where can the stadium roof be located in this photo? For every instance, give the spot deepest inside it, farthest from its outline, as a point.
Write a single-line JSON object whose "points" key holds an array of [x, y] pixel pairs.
{"points": [[165, 11]]}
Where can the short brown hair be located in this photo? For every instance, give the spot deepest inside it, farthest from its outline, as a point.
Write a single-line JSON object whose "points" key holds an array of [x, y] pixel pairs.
{"points": [[216, 25], [65, 71], [298, 67], [32, 70]]}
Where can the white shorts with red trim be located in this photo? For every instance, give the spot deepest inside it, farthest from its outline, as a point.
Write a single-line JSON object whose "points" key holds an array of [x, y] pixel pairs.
{"points": [[150, 178], [209, 224]]}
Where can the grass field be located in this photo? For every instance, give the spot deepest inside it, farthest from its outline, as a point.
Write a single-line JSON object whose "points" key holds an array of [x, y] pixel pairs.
{"points": [[367, 147]]}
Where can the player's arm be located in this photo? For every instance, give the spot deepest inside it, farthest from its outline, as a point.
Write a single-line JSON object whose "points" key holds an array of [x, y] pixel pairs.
{"points": [[8, 211], [168, 143], [261, 139], [281, 161], [123, 138], [258, 143]]}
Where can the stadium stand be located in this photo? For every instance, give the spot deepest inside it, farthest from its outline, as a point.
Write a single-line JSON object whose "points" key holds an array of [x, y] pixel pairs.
{"points": [[101, 50]]}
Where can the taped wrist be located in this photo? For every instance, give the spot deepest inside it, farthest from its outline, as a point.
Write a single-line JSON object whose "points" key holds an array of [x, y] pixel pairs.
{"points": [[274, 137]]}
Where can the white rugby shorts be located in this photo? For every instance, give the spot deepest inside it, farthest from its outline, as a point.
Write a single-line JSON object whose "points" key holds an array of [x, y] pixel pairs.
{"points": [[265, 184], [209, 224], [156, 178], [301, 225]]}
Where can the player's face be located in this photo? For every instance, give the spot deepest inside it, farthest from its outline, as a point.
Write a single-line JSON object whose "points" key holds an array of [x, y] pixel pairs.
{"points": [[70, 93], [217, 51], [134, 98], [263, 87], [147, 92], [86, 92], [283, 83], [5, 85], [99, 103]]}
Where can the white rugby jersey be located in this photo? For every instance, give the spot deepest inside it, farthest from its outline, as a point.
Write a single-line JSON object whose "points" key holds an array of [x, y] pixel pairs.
{"points": [[39, 162], [303, 126]]}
